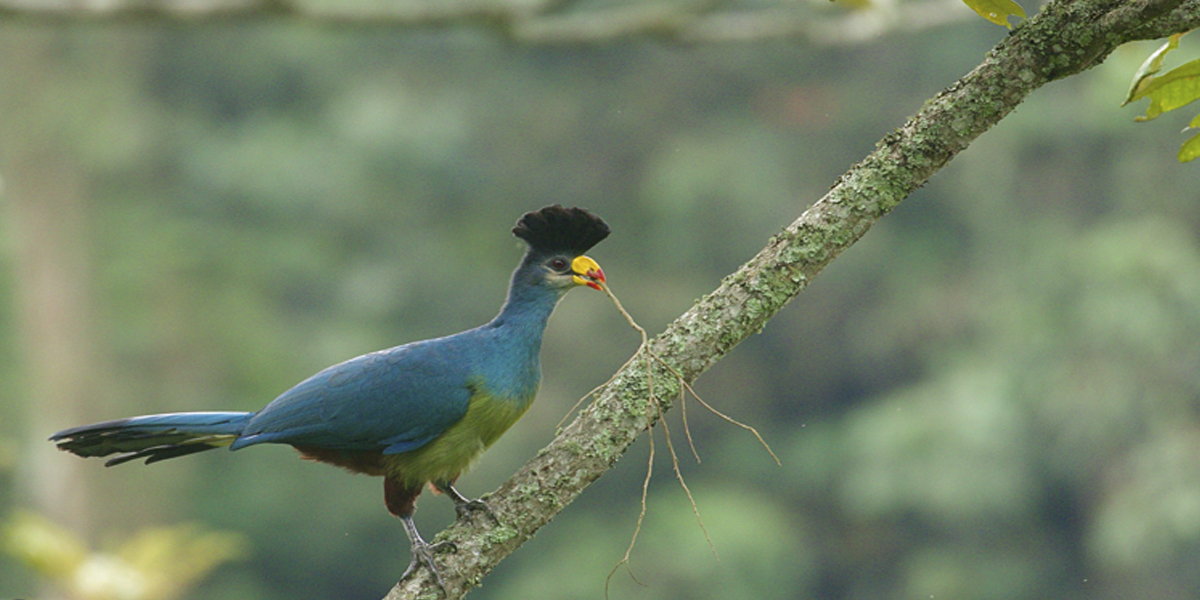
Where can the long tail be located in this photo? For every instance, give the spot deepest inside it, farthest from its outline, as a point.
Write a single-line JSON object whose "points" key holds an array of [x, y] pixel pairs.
{"points": [[154, 437]]}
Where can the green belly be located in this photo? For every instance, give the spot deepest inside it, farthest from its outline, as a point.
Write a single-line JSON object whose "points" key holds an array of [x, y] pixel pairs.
{"points": [[452, 452]]}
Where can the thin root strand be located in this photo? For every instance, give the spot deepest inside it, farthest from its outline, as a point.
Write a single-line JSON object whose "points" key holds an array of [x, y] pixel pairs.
{"points": [[654, 408]]}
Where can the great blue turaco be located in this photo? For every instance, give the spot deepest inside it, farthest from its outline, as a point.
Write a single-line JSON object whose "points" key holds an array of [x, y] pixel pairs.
{"points": [[417, 414]]}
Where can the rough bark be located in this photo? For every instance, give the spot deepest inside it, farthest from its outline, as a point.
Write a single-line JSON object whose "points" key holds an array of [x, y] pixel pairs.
{"points": [[1065, 38]]}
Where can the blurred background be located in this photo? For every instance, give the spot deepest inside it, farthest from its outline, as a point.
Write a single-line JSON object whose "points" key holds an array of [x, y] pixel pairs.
{"points": [[995, 395]]}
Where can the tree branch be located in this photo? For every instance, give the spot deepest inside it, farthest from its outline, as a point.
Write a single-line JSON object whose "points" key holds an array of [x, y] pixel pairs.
{"points": [[528, 21], [1067, 37]]}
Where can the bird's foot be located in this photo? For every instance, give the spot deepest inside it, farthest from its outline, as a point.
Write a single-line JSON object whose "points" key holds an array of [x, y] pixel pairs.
{"points": [[422, 555], [464, 507], [468, 507]]}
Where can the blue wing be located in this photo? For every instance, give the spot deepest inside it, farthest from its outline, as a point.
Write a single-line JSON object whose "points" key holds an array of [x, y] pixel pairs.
{"points": [[393, 401]]}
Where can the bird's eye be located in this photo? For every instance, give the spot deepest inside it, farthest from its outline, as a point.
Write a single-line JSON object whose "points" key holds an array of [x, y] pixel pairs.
{"points": [[559, 264]]}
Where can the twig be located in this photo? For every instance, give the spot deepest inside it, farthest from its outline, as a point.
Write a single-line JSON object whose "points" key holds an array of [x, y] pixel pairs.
{"points": [[686, 429], [641, 517], [652, 402], [683, 484], [682, 382], [728, 418]]}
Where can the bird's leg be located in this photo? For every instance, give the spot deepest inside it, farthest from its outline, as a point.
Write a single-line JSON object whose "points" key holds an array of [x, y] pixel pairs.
{"points": [[401, 500], [422, 553], [464, 506]]}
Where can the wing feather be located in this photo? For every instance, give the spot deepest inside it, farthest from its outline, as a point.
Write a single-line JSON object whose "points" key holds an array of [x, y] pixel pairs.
{"points": [[398, 399]]}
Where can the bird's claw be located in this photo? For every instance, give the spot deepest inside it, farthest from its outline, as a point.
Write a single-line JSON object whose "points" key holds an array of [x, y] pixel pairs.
{"points": [[422, 555], [464, 506], [463, 509]]}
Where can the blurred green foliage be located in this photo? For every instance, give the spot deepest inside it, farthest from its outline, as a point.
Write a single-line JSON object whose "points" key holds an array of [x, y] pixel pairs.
{"points": [[993, 395], [157, 563]]}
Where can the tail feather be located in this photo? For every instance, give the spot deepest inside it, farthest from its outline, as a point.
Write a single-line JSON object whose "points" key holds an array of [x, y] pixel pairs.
{"points": [[153, 437]]}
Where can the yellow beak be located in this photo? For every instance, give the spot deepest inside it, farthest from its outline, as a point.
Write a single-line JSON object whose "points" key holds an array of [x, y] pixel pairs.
{"points": [[587, 272]]}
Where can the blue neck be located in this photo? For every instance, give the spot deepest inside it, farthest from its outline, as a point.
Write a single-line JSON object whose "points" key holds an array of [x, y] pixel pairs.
{"points": [[529, 304], [514, 369]]}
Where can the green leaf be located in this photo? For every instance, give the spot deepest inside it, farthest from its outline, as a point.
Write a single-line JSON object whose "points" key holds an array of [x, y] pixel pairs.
{"points": [[996, 11], [1171, 90], [1190, 149], [1175, 88], [1153, 65]]}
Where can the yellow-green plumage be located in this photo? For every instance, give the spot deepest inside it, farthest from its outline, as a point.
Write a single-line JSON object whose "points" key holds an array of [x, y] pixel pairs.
{"points": [[452, 452]]}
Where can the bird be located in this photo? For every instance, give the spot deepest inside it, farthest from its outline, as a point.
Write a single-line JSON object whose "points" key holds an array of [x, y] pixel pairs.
{"points": [[417, 414]]}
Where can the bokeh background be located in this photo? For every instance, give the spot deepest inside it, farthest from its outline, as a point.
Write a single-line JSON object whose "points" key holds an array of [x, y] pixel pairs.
{"points": [[995, 395]]}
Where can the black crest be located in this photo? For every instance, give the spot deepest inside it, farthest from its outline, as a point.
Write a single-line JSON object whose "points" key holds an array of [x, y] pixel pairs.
{"points": [[556, 229]]}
